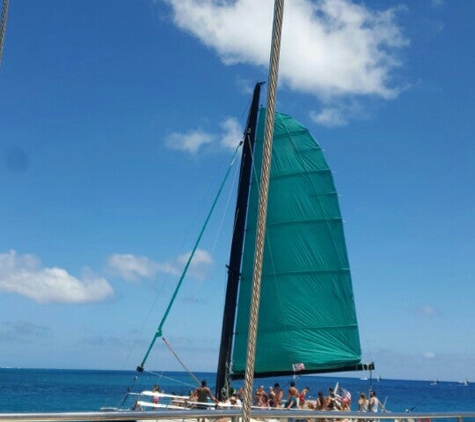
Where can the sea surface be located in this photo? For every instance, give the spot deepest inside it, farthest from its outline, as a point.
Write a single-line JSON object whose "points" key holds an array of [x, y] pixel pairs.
{"points": [[50, 390]]}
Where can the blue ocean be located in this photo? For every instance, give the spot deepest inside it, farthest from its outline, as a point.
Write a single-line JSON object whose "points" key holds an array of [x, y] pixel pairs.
{"points": [[49, 390]]}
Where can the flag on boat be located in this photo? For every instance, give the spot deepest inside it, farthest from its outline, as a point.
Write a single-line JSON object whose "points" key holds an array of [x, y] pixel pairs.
{"points": [[298, 367], [342, 393]]}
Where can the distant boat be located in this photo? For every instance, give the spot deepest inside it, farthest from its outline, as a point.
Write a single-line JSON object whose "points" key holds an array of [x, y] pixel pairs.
{"points": [[364, 378], [379, 378], [463, 383], [436, 382]]}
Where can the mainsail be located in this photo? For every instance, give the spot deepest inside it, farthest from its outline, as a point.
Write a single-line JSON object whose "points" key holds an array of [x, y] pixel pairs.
{"points": [[307, 318]]}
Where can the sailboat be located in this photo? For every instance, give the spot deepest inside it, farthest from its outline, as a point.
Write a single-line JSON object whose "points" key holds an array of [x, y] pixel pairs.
{"points": [[307, 320], [298, 273]]}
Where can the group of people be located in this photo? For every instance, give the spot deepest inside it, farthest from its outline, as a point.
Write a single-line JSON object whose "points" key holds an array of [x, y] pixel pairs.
{"points": [[295, 399], [275, 397], [370, 405], [339, 400]]}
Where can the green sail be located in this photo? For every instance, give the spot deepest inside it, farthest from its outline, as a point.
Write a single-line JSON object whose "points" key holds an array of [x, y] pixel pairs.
{"points": [[307, 316]]}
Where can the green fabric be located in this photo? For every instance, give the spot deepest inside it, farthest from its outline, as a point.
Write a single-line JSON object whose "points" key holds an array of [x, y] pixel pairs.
{"points": [[307, 313]]}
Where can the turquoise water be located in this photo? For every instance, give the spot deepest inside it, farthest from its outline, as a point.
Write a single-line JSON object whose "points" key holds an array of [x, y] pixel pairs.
{"points": [[46, 390]]}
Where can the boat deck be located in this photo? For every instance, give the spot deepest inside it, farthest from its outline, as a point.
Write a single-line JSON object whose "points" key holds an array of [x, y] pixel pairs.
{"points": [[235, 416]]}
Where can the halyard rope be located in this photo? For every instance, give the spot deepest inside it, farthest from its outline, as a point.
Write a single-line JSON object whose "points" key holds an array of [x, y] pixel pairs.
{"points": [[262, 213], [3, 27]]}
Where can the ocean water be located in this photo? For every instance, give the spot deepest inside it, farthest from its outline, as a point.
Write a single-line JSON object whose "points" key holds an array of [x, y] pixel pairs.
{"points": [[47, 390]]}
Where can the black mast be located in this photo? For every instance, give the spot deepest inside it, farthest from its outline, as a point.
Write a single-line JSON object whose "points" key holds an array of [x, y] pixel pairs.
{"points": [[237, 246]]}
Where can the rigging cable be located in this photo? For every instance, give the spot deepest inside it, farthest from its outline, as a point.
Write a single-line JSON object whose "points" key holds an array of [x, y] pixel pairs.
{"points": [[3, 27], [262, 210], [220, 227], [174, 380], [181, 362], [158, 334]]}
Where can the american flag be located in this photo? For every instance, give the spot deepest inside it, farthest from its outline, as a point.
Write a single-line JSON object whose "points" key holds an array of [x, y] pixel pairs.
{"points": [[298, 367], [342, 393]]}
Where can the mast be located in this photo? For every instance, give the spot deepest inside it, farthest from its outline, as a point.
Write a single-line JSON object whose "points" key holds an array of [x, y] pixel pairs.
{"points": [[235, 257]]}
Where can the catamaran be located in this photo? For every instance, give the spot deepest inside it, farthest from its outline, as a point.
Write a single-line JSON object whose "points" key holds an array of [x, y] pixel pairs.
{"points": [[304, 321], [307, 318]]}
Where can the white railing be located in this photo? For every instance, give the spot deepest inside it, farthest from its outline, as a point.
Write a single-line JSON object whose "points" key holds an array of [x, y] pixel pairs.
{"points": [[235, 415]]}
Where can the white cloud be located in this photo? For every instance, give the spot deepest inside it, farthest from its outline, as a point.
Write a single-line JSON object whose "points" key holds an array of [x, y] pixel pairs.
{"points": [[24, 275], [330, 48], [196, 140], [134, 268], [330, 116], [232, 133], [338, 112], [188, 142], [200, 263], [429, 355]]}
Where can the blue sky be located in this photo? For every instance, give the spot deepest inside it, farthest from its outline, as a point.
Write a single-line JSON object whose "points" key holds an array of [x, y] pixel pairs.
{"points": [[117, 124]]}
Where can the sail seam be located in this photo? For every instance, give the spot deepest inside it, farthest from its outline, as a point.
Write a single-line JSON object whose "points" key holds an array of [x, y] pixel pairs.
{"points": [[293, 133], [300, 173], [299, 222], [307, 328], [285, 273]]}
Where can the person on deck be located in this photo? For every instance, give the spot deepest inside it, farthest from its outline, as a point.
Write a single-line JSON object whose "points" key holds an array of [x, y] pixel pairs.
{"points": [[279, 395], [264, 402], [345, 407], [156, 390], [259, 396], [202, 393], [271, 396], [235, 401], [363, 403], [374, 403], [302, 395], [292, 397], [322, 402]]}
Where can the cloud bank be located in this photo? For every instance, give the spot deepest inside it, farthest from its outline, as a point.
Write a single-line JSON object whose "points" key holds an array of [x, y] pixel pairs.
{"points": [[24, 275], [195, 141], [133, 268], [21, 331], [330, 48]]}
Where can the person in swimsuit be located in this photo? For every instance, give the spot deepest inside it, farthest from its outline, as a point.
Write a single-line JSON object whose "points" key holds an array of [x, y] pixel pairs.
{"points": [[202, 393], [156, 389], [374, 403], [292, 398], [322, 402], [279, 395], [302, 395]]}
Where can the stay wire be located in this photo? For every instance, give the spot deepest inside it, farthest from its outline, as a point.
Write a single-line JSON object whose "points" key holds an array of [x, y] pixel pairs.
{"points": [[185, 270]]}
